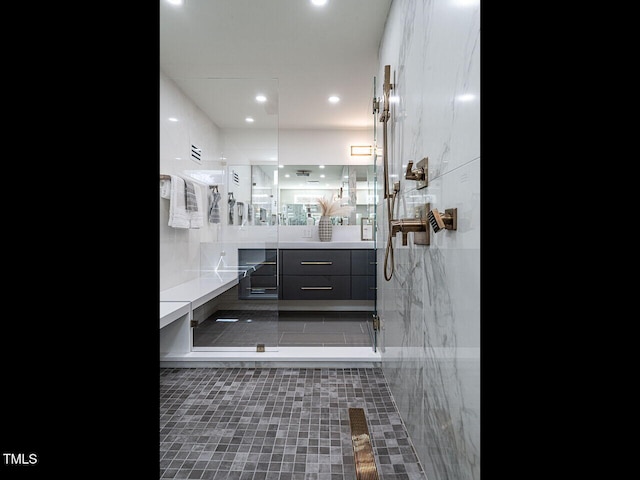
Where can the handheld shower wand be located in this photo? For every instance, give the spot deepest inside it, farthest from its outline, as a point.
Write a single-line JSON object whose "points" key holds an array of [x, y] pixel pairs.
{"points": [[391, 198]]}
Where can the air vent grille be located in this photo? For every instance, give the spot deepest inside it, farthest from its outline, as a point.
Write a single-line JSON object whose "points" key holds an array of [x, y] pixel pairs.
{"points": [[196, 154]]}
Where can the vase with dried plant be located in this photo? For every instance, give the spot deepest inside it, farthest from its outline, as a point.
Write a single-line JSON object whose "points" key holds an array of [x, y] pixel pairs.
{"points": [[328, 209]]}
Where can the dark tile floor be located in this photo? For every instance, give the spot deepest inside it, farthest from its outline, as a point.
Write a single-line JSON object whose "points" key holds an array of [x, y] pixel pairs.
{"points": [[277, 424], [293, 329]]}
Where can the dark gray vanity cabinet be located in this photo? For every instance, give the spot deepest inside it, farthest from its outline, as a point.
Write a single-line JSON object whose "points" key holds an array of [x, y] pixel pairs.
{"points": [[363, 274], [263, 282], [327, 274], [317, 274]]}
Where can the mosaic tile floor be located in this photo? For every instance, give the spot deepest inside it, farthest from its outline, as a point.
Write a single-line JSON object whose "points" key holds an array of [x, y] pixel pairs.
{"points": [[277, 424]]}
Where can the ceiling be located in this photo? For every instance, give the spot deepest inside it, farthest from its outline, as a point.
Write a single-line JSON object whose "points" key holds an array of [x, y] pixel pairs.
{"points": [[221, 53]]}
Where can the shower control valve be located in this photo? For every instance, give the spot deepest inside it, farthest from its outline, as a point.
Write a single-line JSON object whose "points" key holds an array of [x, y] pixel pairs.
{"points": [[420, 173]]}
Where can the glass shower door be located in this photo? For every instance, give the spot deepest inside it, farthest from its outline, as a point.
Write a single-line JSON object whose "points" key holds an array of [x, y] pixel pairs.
{"points": [[243, 245]]}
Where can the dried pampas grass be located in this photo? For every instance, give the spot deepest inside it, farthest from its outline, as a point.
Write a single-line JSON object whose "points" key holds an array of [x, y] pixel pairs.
{"points": [[332, 208]]}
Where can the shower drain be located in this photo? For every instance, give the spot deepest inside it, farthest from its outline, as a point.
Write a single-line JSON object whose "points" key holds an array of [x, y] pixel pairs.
{"points": [[362, 450]]}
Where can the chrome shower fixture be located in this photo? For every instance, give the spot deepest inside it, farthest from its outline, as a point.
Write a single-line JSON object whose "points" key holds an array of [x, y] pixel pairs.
{"points": [[446, 221], [420, 173]]}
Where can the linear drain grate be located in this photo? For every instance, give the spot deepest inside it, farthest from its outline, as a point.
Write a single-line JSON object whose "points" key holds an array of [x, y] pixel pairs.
{"points": [[362, 450]]}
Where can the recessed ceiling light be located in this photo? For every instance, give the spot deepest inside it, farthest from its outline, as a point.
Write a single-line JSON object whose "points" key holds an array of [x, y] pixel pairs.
{"points": [[249, 120], [286, 175], [334, 99], [319, 3], [280, 166], [321, 166], [173, 119], [261, 98], [467, 97], [466, 3], [322, 176], [176, 2]]}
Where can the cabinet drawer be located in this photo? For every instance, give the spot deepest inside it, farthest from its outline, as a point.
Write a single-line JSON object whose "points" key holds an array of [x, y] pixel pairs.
{"points": [[363, 262], [316, 287], [363, 287], [258, 287], [316, 262], [264, 260]]}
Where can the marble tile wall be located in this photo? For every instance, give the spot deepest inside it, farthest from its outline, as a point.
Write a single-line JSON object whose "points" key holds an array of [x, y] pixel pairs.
{"points": [[430, 308]]}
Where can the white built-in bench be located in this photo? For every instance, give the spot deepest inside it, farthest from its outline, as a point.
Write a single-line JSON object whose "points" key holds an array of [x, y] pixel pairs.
{"points": [[172, 311], [178, 303], [193, 294]]}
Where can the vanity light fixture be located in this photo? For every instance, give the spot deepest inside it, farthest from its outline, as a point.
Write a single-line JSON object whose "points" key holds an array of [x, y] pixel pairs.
{"points": [[319, 3], [177, 3], [334, 99], [261, 98], [320, 166], [280, 166], [361, 150]]}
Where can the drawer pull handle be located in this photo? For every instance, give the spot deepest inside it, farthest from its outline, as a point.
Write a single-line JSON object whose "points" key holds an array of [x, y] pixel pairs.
{"points": [[316, 288], [257, 289], [261, 263], [373, 263], [316, 263], [373, 288]]}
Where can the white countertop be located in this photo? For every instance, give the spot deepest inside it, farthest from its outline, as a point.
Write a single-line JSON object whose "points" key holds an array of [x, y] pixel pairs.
{"points": [[171, 311], [327, 245]]}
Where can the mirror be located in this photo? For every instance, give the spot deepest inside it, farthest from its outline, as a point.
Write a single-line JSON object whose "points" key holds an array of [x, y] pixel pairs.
{"points": [[290, 193]]}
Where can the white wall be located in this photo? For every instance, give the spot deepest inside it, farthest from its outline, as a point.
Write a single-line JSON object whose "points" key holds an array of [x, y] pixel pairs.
{"points": [[323, 147], [180, 248], [431, 307]]}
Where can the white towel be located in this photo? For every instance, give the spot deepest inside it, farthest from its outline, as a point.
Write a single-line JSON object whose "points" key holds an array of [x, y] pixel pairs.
{"points": [[165, 189], [178, 216], [196, 218]]}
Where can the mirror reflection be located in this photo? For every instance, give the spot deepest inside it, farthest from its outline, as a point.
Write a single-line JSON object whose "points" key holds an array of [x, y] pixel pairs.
{"points": [[289, 195]]}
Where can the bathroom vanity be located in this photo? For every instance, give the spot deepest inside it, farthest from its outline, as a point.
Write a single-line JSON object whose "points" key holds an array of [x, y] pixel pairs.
{"points": [[302, 271], [327, 274]]}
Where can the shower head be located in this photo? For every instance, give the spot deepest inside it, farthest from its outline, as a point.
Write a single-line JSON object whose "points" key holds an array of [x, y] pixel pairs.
{"points": [[446, 221]]}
